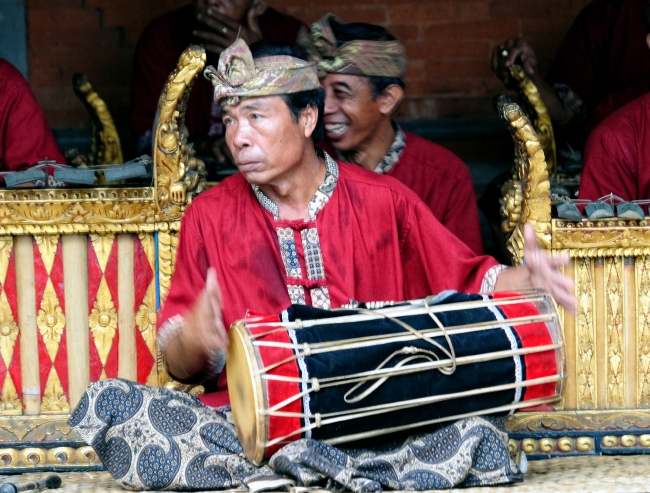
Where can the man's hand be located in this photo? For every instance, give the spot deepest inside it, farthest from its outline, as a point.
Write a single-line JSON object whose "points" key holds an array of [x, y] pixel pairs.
{"points": [[540, 270], [218, 31], [504, 55], [203, 333], [544, 271]]}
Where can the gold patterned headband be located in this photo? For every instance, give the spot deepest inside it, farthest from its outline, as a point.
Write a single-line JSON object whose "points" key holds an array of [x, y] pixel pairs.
{"points": [[358, 57], [239, 76]]}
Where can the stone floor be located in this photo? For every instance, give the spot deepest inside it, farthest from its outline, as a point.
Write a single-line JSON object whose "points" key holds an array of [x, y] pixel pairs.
{"points": [[628, 474]]}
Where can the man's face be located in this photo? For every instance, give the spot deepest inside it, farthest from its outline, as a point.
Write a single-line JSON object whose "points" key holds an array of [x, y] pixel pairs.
{"points": [[265, 142], [235, 9], [351, 114]]}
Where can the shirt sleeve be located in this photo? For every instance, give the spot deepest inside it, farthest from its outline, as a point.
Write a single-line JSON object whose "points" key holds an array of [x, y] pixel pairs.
{"points": [[461, 214], [609, 163], [27, 137], [434, 259], [187, 282]]}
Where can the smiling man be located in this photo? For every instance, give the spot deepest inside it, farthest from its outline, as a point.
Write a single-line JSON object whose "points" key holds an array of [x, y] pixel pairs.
{"points": [[361, 68]]}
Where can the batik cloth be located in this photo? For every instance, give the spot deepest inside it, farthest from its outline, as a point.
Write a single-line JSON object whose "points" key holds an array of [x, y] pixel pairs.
{"points": [[239, 76], [358, 57], [152, 438]]}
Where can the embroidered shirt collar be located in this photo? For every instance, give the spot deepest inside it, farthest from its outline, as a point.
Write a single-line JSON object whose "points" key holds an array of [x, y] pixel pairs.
{"points": [[393, 155], [320, 198]]}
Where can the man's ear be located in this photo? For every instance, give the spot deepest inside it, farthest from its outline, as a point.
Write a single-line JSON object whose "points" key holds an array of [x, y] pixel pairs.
{"points": [[647, 40], [309, 119], [390, 98]]}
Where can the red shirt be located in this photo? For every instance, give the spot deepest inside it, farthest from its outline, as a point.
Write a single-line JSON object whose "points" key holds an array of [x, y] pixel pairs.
{"points": [[617, 155], [157, 53], [443, 182], [25, 136], [377, 241]]}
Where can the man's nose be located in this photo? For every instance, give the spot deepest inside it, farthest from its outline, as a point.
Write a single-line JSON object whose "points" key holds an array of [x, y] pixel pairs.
{"points": [[331, 106], [241, 137]]}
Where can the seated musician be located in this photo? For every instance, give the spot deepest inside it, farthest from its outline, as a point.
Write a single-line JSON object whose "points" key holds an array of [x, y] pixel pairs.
{"points": [[296, 226], [25, 136], [215, 24], [361, 68], [617, 155], [602, 64]]}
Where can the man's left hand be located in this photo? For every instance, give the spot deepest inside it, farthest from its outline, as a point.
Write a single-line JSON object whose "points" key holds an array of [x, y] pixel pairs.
{"points": [[219, 31], [540, 270]]}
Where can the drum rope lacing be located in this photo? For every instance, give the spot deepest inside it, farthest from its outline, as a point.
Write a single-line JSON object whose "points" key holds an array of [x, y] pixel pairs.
{"points": [[316, 420]]}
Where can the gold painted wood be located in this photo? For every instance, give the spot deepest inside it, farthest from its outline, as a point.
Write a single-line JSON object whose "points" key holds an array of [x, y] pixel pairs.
{"points": [[26, 294], [529, 196], [179, 175], [127, 364], [106, 148], [537, 113], [75, 277]]}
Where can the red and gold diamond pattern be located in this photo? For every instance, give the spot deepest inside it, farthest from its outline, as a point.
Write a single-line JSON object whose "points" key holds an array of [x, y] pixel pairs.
{"points": [[145, 304], [10, 403], [103, 306], [50, 320]]}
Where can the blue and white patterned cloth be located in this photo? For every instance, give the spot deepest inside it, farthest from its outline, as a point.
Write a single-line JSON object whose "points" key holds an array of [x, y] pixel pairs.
{"points": [[151, 438]]}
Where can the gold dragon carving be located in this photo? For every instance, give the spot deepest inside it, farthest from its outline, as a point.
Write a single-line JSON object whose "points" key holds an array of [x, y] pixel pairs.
{"points": [[179, 174], [536, 111], [106, 148], [527, 197]]}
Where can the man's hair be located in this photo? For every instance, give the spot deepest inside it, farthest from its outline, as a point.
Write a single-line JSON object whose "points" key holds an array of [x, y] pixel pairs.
{"points": [[354, 31], [297, 101]]}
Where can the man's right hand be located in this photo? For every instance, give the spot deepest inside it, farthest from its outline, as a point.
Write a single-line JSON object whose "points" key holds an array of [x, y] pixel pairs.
{"points": [[504, 55], [203, 334]]}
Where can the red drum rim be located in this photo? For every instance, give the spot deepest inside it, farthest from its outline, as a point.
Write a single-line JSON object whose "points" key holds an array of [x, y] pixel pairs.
{"points": [[247, 396]]}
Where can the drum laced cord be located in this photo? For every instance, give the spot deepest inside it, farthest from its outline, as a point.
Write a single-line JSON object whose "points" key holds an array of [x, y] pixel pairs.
{"points": [[417, 353]]}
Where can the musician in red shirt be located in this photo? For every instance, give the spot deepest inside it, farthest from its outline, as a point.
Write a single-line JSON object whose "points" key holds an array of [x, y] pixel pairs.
{"points": [[361, 67], [215, 24], [617, 155], [295, 226], [25, 136]]}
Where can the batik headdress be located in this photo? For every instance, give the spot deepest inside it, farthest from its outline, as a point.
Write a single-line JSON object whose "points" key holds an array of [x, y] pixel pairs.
{"points": [[358, 57], [239, 76]]}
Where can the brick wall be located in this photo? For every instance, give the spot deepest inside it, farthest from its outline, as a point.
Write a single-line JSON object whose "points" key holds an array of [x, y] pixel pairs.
{"points": [[448, 43]]}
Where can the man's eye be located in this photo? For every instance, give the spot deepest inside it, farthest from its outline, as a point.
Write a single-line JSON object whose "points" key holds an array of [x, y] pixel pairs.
{"points": [[255, 116], [228, 121]]}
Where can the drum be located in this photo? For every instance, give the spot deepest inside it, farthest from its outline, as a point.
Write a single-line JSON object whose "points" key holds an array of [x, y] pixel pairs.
{"points": [[353, 374]]}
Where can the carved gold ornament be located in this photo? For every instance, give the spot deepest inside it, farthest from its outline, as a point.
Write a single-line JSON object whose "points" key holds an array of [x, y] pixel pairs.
{"points": [[54, 398], [179, 174], [50, 320], [537, 113], [103, 321], [529, 198]]}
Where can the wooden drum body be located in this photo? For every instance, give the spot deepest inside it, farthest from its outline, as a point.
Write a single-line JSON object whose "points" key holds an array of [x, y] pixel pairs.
{"points": [[356, 374]]}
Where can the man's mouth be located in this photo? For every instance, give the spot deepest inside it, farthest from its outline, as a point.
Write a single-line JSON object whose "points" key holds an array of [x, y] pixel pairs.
{"points": [[335, 130]]}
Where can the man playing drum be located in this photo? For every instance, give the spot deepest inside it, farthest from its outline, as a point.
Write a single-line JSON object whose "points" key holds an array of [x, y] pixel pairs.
{"points": [[296, 226]]}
